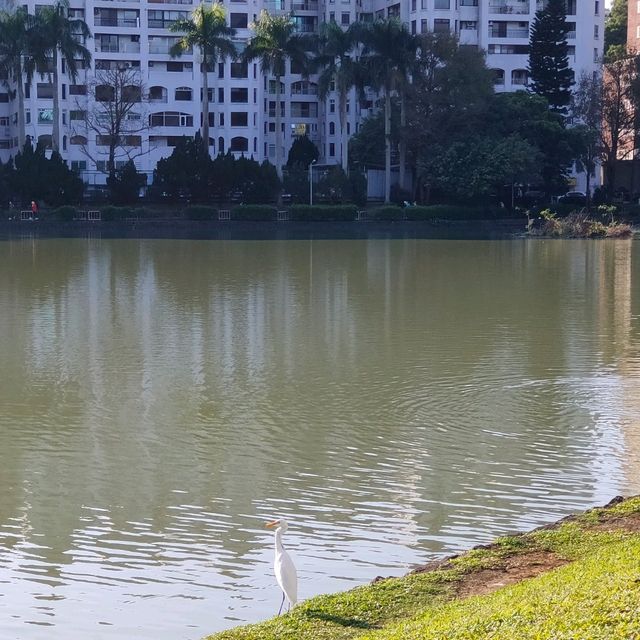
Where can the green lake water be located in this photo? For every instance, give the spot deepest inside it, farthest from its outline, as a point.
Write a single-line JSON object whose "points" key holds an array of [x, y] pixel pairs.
{"points": [[394, 399]]}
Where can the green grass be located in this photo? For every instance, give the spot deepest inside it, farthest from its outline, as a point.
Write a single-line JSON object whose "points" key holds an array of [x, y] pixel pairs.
{"points": [[597, 587], [597, 597]]}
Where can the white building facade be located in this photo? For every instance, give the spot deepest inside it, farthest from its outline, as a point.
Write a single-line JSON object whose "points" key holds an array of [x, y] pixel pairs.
{"points": [[135, 34]]}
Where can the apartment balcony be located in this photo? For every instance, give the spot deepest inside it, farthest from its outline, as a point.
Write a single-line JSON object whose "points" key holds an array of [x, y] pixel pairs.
{"points": [[155, 23], [277, 7], [132, 23], [164, 48], [509, 33], [123, 47], [509, 8], [309, 5]]}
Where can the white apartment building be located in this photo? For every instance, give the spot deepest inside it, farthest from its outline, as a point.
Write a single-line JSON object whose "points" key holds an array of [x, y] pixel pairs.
{"points": [[135, 33]]}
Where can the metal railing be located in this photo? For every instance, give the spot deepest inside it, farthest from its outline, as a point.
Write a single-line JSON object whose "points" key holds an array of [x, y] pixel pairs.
{"points": [[509, 33]]}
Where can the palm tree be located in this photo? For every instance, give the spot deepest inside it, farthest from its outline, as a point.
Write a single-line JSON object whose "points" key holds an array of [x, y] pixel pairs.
{"points": [[274, 42], [336, 58], [206, 29], [61, 37], [15, 57], [387, 58]]}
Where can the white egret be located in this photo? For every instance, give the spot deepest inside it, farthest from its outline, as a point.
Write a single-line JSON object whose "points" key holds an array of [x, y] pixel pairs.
{"points": [[285, 570]]}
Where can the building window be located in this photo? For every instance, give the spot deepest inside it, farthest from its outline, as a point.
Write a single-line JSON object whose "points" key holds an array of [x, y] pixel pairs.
{"points": [[45, 116], [239, 143], [332, 149], [332, 128], [239, 20], [45, 90], [184, 94], [239, 119], [440, 25], [345, 18], [442, 4], [239, 70], [239, 94], [220, 95]]}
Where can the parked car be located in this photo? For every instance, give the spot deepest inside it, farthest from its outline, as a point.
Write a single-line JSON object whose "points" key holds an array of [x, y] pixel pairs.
{"points": [[573, 197]]}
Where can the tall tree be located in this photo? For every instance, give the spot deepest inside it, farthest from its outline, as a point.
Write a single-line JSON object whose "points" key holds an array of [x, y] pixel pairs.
{"points": [[615, 26], [385, 54], [206, 29], [620, 89], [116, 113], [274, 42], [549, 71], [60, 38], [340, 69], [586, 109], [16, 59], [448, 102]]}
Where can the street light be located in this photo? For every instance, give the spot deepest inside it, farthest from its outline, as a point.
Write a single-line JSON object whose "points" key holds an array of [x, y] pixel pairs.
{"points": [[311, 182]]}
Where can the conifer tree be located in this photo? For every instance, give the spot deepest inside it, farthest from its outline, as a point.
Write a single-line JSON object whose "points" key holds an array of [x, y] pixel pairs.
{"points": [[549, 72]]}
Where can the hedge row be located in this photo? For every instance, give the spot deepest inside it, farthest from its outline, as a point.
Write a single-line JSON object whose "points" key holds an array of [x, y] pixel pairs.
{"points": [[343, 212], [438, 212], [315, 213]]}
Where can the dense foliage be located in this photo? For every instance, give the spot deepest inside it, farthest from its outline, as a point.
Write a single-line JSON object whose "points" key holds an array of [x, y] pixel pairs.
{"points": [[615, 27], [33, 176], [190, 174]]}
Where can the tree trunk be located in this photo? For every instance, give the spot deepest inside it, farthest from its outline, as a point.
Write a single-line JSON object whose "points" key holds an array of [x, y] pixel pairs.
{"points": [[387, 145], [111, 163], [20, 92], [343, 131], [403, 144], [205, 103], [278, 131], [55, 133], [589, 187]]}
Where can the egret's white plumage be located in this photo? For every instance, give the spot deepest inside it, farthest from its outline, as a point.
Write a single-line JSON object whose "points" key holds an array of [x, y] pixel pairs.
{"points": [[285, 570]]}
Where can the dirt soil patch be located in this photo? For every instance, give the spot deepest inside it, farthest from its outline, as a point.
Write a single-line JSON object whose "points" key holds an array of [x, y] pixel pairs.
{"points": [[513, 569], [521, 566]]}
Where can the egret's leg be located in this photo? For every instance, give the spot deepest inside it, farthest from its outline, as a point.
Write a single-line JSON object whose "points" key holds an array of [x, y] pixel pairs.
{"points": [[281, 604]]}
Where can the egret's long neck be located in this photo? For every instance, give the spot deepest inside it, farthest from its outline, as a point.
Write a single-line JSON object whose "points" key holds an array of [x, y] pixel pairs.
{"points": [[279, 547]]}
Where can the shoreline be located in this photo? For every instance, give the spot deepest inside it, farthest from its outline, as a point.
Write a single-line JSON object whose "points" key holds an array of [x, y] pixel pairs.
{"points": [[180, 229], [571, 578]]}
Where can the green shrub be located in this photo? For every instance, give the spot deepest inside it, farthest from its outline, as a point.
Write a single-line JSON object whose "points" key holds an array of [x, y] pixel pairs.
{"points": [[387, 213], [455, 212], [65, 213], [339, 212], [254, 212], [201, 212]]}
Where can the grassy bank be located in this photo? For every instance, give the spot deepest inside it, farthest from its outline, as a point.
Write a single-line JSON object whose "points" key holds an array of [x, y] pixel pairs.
{"points": [[579, 578]]}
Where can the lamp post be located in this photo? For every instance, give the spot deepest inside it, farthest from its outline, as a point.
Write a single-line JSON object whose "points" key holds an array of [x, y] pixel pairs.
{"points": [[311, 181]]}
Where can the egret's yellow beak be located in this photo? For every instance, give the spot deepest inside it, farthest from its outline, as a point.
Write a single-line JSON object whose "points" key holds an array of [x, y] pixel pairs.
{"points": [[273, 523]]}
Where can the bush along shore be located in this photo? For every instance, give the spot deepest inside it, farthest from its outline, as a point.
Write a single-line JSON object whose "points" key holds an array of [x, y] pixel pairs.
{"points": [[576, 579], [599, 223]]}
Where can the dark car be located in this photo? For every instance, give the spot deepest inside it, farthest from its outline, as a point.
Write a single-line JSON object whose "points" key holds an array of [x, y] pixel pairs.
{"points": [[573, 197]]}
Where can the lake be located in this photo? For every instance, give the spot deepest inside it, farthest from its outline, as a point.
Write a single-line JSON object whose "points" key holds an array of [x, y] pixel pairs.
{"points": [[395, 399]]}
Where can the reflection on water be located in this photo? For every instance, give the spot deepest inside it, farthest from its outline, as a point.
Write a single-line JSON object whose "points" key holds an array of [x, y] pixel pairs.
{"points": [[395, 399]]}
